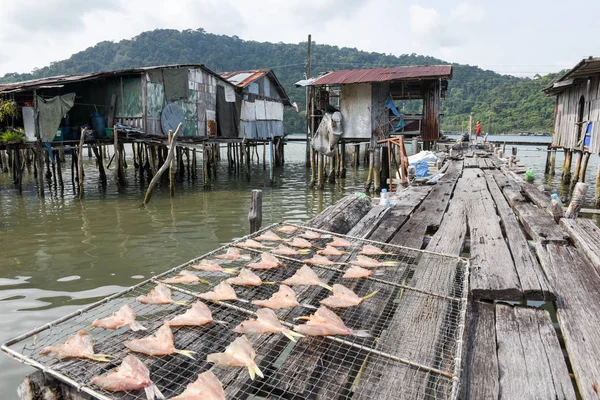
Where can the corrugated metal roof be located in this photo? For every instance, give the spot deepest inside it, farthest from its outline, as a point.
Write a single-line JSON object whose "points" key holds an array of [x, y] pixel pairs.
{"points": [[384, 74], [586, 68], [244, 78], [65, 79]]}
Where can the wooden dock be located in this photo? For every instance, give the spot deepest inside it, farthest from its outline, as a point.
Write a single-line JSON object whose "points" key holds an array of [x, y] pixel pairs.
{"points": [[482, 210]]}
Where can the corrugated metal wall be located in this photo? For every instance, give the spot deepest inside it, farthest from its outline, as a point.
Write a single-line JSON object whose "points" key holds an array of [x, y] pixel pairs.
{"points": [[261, 119], [355, 106], [430, 126], [566, 130]]}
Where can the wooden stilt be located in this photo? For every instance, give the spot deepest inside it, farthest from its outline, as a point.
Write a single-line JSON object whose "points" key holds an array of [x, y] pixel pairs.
{"points": [[332, 167], [123, 158], [135, 148], [575, 179], [553, 162], [119, 175], [171, 159], [584, 166], [74, 174], [59, 172], [321, 168], [47, 160], [193, 163], [166, 165], [264, 156], [89, 152], [377, 169], [98, 152], [313, 167], [548, 160], [343, 161], [205, 175], [53, 165], [566, 173], [153, 160], [248, 158], [80, 163], [255, 213], [19, 169], [370, 175], [3, 166], [271, 161]]}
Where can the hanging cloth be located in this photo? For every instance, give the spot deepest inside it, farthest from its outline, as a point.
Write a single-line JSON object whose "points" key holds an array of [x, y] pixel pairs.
{"points": [[176, 83], [51, 111]]}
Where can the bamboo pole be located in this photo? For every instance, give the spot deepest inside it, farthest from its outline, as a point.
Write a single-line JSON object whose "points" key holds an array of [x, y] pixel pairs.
{"points": [[80, 163], [166, 164]]}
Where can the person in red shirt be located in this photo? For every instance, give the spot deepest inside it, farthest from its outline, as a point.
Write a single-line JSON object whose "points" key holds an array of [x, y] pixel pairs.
{"points": [[477, 131]]}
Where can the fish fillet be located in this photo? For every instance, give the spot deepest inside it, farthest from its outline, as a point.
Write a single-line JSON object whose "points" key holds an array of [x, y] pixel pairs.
{"points": [[124, 317], [267, 261], [245, 278], [239, 353], [198, 315], [159, 295], [283, 250], [370, 250], [251, 244], [132, 374], [368, 262], [323, 322], [301, 243], [232, 254], [319, 260], [160, 343], [221, 292], [354, 271], [330, 251], [268, 236], [339, 242], [80, 345], [208, 266], [284, 298], [206, 387], [266, 322], [184, 277], [310, 235], [287, 229], [343, 297], [305, 276]]}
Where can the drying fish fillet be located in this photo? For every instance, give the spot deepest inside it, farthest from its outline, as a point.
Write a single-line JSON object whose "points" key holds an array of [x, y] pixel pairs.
{"points": [[266, 322], [319, 260], [330, 251], [206, 387], [283, 250], [80, 345], [159, 295], [354, 271], [370, 250], [267, 261], [184, 277], [367, 262], [305, 276], [284, 298], [160, 343], [301, 243], [221, 292], [339, 242], [232, 254], [343, 297], [310, 235], [251, 244], [132, 374], [211, 266], [324, 322], [245, 278], [287, 229], [239, 353], [125, 316], [198, 315], [268, 236]]}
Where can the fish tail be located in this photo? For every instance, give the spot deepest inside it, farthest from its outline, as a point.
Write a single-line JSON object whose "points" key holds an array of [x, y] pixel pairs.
{"points": [[307, 306], [269, 283], [318, 248], [292, 335], [390, 263], [204, 281], [136, 326], [253, 370], [243, 300], [182, 303], [379, 273], [221, 322], [229, 271], [326, 287], [361, 333], [101, 357], [370, 295], [153, 393], [187, 353], [304, 251], [302, 318]]}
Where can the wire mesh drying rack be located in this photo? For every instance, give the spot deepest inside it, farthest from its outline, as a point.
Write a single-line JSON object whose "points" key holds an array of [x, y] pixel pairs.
{"points": [[415, 322]]}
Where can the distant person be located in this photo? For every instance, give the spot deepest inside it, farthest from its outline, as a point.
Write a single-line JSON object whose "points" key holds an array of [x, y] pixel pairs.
{"points": [[477, 131]]}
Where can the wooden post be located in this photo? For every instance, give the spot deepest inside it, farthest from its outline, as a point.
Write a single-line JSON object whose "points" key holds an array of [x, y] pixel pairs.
{"points": [[134, 149], [40, 150], [548, 162], [98, 153], [566, 174], [173, 149], [167, 164], [271, 162], [584, 165], [356, 162], [313, 167], [575, 177], [193, 163], [553, 162], [60, 178], [320, 177], [377, 169], [117, 157], [332, 160], [80, 163], [370, 175], [309, 95], [343, 161], [255, 213], [265, 153]]}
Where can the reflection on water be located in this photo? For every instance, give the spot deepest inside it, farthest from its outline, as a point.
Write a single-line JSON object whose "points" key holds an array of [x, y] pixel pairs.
{"points": [[60, 254]]}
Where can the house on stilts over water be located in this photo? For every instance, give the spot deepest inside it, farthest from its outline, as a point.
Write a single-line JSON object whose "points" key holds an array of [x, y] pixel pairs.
{"points": [[577, 120], [354, 106], [140, 105]]}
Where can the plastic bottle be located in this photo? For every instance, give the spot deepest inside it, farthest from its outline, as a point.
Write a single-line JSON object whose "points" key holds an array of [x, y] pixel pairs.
{"points": [[557, 207], [384, 200]]}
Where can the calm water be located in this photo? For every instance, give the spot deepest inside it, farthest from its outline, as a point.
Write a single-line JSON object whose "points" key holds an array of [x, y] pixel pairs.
{"points": [[61, 253]]}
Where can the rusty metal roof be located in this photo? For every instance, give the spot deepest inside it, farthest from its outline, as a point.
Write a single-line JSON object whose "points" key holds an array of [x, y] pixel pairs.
{"points": [[586, 68], [384, 74], [244, 78], [57, 81]]}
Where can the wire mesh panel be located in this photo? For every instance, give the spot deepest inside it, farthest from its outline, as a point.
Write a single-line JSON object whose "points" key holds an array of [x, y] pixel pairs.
{"points": [[404, 336]]}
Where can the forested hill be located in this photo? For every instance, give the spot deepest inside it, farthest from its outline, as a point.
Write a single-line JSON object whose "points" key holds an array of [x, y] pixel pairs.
{"points": [[503, 103]]}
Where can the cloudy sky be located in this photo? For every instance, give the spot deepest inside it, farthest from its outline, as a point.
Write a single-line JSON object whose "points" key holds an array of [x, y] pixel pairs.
{"points": [[521, 37]]}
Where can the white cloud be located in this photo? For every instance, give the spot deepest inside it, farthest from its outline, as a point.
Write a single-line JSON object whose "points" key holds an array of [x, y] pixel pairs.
{"points": [[424, 20]]}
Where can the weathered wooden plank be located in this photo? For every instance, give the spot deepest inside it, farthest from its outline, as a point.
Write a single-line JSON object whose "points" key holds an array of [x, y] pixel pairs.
{"points": [[539, 224], [577, 286], [530, 361], [417, 328], [536, 196], [341, 216], [370, 221], [403, 203], [533, 281], [480, 375], [430, 212], [41, 386], [509, 187], [471, 162], [586, 236], [493, 276]]}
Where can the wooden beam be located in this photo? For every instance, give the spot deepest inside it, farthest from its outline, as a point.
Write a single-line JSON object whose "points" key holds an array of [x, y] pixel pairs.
{"points": [[586, 236]]}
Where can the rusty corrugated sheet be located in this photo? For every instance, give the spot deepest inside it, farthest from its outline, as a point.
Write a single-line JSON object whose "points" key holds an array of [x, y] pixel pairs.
{"points": [[384, 74], [244, 78]]}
